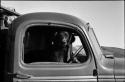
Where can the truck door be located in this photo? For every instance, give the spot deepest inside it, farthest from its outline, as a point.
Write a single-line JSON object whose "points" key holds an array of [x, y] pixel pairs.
{"points": [[105, 65], [32, 61]]}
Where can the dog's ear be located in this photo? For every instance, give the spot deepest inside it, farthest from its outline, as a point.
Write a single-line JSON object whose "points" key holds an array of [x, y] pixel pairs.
{"points": [[54, 36], [72, 38]]}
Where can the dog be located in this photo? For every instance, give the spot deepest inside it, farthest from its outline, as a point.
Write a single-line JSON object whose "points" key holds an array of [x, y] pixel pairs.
{"points": [[61, 43]]}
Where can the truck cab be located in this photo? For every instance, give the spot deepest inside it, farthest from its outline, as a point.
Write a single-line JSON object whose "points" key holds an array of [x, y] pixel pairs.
{"points": [[28, 55]]}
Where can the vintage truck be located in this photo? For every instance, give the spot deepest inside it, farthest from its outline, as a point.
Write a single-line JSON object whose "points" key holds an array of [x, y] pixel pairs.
{"points": [[32, 33]]}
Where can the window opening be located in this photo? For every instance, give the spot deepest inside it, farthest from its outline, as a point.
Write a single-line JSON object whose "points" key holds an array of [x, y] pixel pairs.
{"points": [[51, 44]]}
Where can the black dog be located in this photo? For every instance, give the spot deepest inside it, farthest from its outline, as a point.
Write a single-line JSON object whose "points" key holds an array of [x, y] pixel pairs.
{"points": [[61, 43]]}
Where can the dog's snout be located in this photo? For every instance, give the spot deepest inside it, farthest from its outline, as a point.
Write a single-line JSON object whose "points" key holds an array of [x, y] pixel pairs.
{"points": [[64, 40]]}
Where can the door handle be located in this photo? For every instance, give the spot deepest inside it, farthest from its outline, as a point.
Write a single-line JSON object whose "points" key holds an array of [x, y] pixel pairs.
{"points": [[19, 75], [95, 73]]}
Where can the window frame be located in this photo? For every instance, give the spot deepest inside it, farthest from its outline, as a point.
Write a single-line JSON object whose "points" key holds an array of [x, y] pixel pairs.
{"points": [[73, 27]]}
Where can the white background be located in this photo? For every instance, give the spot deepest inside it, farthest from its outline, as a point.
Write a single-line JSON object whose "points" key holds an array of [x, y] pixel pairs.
{"points": [[106, 17]]}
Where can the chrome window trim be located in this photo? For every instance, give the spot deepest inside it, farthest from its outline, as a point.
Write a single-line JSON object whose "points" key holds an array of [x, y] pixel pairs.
{"points": [[63, 78]]}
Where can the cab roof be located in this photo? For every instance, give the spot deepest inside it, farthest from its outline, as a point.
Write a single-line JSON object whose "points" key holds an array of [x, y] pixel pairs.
{"points": [[51, 17]]}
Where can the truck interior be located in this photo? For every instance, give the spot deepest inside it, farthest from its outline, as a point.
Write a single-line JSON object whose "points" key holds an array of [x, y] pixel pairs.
{"points": [[39, 46]]}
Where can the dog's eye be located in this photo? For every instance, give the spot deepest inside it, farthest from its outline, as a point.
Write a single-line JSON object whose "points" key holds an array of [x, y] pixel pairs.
{"points": [[66, 35]]}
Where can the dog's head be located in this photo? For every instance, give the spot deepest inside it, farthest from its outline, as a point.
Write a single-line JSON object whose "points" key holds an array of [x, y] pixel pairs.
{"points": [[62, 38]]}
